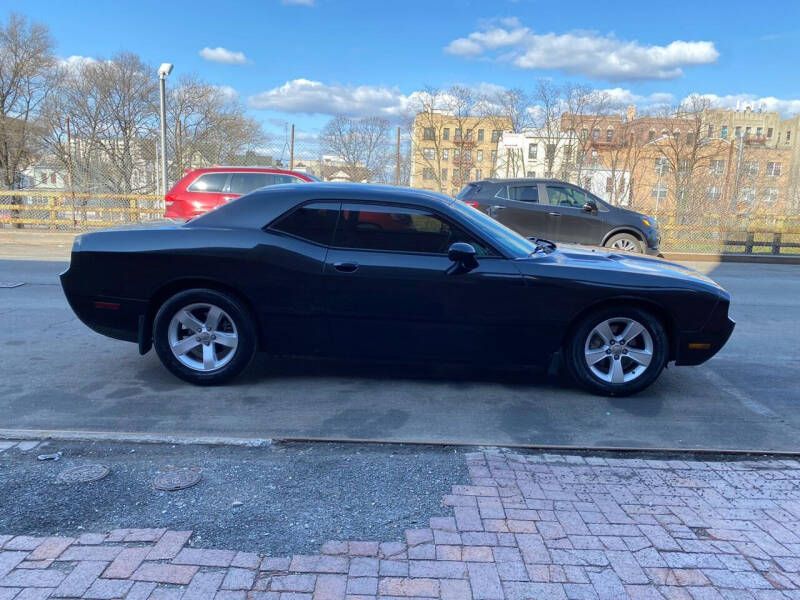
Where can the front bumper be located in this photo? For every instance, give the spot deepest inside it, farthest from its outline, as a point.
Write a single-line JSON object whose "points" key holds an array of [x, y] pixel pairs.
{"points": [[696, 347]]}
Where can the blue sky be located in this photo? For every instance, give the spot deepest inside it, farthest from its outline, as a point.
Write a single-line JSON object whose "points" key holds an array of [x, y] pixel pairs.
{"points": [[302, 60]]}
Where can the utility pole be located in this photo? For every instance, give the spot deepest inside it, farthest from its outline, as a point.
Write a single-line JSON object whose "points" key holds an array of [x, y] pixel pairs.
{"points": [[163, 71], [291, 151], [397, 160]]}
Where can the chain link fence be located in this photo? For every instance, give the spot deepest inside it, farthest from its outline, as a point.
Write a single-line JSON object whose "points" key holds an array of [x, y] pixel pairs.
{"points": [[90, 184]]}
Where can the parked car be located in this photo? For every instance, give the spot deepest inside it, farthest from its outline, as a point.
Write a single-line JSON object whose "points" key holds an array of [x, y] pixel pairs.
{"points": [[560, 211], [200, 190], [314, 269]]}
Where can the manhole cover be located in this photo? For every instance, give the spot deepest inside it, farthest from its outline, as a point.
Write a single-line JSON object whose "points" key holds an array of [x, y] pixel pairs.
{"points": [[176, 480], [83, 474], [11, 284]]}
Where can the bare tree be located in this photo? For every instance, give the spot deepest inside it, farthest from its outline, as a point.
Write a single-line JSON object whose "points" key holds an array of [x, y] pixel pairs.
{"points": [[208, 125], [511, 108], [26, 71], [362, 144]]}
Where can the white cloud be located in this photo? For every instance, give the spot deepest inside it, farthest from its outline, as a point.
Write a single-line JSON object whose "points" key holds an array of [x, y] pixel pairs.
{"points": [[299, 2], [786, 107], [227, 91], [223, 55], [621, 97], [315, 97], [581, 53], [75, 62]]}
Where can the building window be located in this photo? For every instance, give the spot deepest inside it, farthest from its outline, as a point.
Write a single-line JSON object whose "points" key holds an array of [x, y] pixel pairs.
{"points": [[446, 154], [468, 155], [683, 165], [662, 165], [469, 135], [609, 134], [788, 136], [609, 184], [550, 151], [769, 132], [584, 133], [44, 177], [773, 169], [717, 167], [659, 191], [714, 193], [53, 178], [533, 150], [429, 133], [759, 131], [651, 135], [747, 195], [594, 157], [530, 174], [456, 174], [446, 133], [595, 134], [494, 156], [478, 173], [676, 136], [428, 174], [710, 131], [724, 132], [480, 135], [567, 153], [457, 135], [428, 153], [690, 138], [738, 132], [456, 154], [770, 195], [747, 132], [496, 134], [444, 174], [480, 155], [750, 168]]}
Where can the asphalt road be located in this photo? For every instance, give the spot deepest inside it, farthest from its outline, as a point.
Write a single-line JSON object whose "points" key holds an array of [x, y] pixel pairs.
{"points": [[59, 375]]}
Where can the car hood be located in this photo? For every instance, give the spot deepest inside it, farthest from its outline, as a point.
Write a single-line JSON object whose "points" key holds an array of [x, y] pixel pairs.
{"points": [[600, 263]]}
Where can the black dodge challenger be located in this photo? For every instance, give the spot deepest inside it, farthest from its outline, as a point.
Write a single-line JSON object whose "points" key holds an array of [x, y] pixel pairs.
{"points": [[374, 271]]}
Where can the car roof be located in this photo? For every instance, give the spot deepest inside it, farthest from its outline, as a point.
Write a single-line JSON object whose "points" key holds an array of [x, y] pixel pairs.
{"points": [[245, 169], [521, 180], [265, 204]]}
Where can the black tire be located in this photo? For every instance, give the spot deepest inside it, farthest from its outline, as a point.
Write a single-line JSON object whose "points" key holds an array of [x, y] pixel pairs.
{"points": [[237, 316], [626, 239], [576, 360]]}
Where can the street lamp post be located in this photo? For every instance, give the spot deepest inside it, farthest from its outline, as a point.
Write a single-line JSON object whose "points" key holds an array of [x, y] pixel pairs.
{"points": [[163, 71]]}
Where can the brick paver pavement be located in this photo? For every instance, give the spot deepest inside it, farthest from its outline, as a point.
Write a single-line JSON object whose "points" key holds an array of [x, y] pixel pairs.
{"points": [[528, 527]]}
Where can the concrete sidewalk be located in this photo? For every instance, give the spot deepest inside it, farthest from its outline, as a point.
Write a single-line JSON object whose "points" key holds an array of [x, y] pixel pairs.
{"points": [[532, 526], [27, 244]]}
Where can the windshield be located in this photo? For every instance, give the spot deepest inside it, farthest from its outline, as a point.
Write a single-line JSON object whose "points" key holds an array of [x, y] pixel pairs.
{"points": [[509, 242]]}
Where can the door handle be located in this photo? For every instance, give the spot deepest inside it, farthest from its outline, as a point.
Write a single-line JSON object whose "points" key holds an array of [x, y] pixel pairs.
{"points": [[552, 214], [229, 198], [345, 267], [497, 207]]}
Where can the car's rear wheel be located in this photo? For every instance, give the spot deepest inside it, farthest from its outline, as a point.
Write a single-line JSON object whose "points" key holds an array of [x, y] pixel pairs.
{"points": [[617, 351], [625, 241], [204, 336]]}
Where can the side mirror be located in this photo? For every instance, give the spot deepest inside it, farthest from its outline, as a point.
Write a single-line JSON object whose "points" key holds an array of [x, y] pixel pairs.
{"points": [[590, 206], [463, 255]]}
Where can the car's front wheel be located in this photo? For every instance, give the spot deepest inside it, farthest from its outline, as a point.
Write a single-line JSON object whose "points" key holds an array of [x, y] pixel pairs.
{"points": [[625, 241], [204, 336], [617, 351]]}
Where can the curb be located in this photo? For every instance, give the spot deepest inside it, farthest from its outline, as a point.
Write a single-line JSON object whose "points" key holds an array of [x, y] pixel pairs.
{"points": [[733, 258], [200, 440]]}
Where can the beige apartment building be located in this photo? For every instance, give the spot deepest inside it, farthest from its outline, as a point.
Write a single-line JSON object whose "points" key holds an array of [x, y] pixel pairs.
{"points": [[449, 150]]}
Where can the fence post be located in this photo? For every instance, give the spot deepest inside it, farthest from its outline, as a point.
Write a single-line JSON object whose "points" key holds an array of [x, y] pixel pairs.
{"points": [[397, 160], [776, 243], [748, 244], [291, 152], [134, 211]]}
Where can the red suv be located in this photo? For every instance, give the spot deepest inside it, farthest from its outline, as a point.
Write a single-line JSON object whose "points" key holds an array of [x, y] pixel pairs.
{"points": [[201, 190]]}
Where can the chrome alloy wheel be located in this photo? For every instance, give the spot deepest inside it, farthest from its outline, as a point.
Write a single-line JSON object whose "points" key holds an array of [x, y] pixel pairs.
{"points": [[626, 245], [618, 350], [202, 337]]}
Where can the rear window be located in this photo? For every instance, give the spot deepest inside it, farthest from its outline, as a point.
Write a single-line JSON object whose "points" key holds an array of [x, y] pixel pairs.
{"points": [[210, 182], [469, 190]]}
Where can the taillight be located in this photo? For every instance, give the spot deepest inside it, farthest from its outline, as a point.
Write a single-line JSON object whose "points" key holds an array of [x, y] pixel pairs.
{"points": [[472, 203]]}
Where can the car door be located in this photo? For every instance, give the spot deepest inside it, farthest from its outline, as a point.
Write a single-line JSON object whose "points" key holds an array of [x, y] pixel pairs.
{"points": [[570, 221], [392, 291], [518, 207]]}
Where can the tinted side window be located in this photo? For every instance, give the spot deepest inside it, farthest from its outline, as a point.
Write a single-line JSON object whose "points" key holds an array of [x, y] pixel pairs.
{"points": [[210, 182], [244, 183], [398, 229], [313, 222], [564, 196], [286, 179], [524, 193]]}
